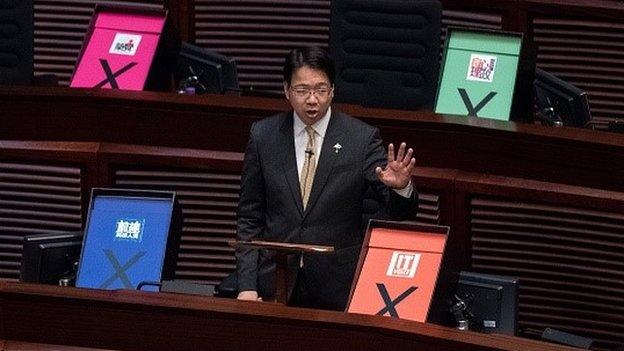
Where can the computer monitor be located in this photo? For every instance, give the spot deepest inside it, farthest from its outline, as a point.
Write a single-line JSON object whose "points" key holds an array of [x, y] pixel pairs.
{"points": [[206, 71], [46, 258], [491, 301], [561, 100]]}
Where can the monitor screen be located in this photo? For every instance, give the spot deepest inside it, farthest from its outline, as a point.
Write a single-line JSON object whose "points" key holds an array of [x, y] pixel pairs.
{"points": [[207, 71], [561, 99], [47, 258], [492, 302], [125, 241]]}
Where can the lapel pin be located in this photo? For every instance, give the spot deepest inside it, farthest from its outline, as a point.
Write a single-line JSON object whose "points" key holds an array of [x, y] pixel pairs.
{"points": [[337, 147]]}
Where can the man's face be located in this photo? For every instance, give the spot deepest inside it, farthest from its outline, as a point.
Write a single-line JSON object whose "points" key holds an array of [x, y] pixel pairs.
{"points": [[310, 93]]}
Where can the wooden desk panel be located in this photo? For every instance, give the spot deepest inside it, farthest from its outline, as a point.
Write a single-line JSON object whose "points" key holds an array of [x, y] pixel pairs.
{"points": [[12, 345], [215, 122], [131, 320]]}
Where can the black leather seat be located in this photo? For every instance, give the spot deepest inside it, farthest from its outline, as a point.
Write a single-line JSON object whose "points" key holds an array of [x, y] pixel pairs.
{"points": [[387, 52], [17, 38]]}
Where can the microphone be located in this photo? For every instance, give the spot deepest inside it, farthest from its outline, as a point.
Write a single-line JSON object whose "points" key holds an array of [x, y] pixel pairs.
{"points": [[309, 152]]}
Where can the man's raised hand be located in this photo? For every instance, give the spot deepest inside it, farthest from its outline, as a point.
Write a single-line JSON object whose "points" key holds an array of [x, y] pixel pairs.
{"points": [[397, 172]]}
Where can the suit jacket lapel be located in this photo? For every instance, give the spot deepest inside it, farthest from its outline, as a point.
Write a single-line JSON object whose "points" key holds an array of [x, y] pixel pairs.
{"points": [[333, 135], [289, 161]]}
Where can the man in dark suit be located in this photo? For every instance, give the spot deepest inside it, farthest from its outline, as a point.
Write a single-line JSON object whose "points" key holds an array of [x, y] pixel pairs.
{"points": [[304, 180]]}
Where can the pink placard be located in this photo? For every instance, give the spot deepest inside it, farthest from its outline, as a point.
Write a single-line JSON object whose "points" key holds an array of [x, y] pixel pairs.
{"points": [[91, 71], [130, 21], [120, 49]]}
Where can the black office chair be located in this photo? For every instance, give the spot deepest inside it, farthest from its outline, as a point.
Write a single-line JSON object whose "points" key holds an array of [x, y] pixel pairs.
{"points": [[387, 52], [17, 33]]}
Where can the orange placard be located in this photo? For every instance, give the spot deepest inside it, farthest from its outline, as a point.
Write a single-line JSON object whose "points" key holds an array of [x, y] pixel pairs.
{"points": [[398, 274], [407, 240]]}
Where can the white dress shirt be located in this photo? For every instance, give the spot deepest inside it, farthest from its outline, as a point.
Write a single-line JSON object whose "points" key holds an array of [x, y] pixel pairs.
{"points": [[301, 138], [320, 127]]}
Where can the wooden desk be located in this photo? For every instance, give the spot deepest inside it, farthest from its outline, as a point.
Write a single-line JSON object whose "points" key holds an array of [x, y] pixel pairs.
{"points": [[131, 320], [12, 345], [221, 123]]}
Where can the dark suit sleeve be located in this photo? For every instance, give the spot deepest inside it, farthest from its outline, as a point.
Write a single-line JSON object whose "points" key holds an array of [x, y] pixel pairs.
{"points": [[395, 206], [250, 215]]}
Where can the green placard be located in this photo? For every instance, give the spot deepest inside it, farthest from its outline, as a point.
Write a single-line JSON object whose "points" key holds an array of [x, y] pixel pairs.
{"points": [[479, 74]]}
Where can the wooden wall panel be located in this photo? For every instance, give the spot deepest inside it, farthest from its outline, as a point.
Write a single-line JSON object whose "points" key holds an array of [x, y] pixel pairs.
{"points": [[60, 27], [259, 33], [589, 53], [570, 261], [35, 198], [477, 18], [428, 207]]}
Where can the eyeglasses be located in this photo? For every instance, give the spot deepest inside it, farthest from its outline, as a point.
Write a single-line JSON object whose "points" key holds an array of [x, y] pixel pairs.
{"points": [[304, 92]]}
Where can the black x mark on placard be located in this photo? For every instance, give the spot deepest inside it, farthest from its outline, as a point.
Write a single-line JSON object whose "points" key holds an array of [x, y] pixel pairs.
{"points": [[110, 76], [472, 110], [391, 304], [120, 271]]}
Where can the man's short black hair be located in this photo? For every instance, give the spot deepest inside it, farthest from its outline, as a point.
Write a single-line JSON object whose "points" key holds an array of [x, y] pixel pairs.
{"points": [[311, 56]]}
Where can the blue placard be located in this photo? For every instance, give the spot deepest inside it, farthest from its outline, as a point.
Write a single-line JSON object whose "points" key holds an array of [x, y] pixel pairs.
{"points": [[125, 242]]}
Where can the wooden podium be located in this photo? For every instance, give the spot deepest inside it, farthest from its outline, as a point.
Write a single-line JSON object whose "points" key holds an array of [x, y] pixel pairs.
{"points": [[281, 267]]}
